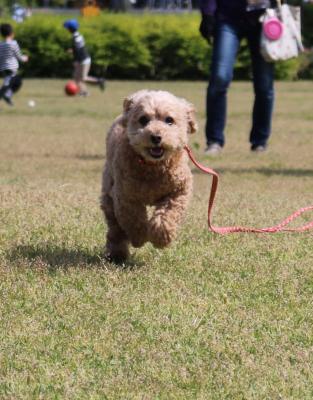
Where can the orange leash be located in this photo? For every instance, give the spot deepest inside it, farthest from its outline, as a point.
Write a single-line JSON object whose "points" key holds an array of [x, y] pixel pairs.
{"points": [[233, 229]]}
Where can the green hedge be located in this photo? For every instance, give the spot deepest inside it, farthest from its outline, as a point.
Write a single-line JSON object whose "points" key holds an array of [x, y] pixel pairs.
{"points": [[128, 46]]}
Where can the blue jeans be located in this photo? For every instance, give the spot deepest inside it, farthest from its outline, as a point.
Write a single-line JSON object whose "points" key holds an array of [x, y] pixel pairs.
{"points": [[5, 90], [227, 39]]}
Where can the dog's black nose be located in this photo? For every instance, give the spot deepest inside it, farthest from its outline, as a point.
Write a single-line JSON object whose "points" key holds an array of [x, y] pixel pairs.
{"points": [[155, 139]]}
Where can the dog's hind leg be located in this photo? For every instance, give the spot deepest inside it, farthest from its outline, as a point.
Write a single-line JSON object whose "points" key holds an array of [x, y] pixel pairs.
{"points": [[134, 220], [116, 241]]}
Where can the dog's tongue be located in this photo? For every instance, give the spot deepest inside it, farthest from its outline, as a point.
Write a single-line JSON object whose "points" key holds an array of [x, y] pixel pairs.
{"points": [[156, 151]]}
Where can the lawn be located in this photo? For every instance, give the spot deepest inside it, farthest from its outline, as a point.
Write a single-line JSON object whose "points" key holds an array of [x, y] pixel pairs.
{"points": [[211, 317]]}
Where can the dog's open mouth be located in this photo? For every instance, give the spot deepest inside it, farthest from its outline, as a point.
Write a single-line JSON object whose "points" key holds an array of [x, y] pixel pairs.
{"points": [[156, 152]]}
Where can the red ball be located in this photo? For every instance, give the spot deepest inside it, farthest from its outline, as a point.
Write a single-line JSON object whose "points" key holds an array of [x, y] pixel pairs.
{"points": [[71, 89]]}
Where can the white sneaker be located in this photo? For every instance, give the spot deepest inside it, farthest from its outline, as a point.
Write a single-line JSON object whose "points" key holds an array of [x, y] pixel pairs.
{"points": [[258, 148], [213, 149]]}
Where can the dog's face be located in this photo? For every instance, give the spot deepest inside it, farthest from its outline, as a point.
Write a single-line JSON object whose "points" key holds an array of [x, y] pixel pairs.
{"points": [[158, 123]]}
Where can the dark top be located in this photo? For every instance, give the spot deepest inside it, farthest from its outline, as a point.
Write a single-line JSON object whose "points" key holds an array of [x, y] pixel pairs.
{"points": [[79, 49], [231, 8]]}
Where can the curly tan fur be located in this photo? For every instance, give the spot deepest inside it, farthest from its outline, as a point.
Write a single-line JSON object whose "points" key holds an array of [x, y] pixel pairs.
{"points": [[146, 165]]}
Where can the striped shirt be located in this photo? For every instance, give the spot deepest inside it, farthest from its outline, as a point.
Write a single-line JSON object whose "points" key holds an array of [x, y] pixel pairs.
{"points": [[10, 55]]}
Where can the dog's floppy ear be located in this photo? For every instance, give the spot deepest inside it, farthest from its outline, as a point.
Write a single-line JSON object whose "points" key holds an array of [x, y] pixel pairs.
{"points": [[127, 105], [130, 101], [191, 117]]}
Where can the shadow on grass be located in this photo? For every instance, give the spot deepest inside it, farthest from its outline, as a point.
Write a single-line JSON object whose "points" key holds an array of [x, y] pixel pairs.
{"points": [[55, 258], [263, 171]]}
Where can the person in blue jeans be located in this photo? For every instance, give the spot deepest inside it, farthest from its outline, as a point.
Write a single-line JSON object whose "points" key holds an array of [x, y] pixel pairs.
{"points": [[227, 22]]}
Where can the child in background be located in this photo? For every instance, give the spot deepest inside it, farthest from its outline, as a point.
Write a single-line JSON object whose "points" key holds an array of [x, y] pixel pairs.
{"points": [[10, 55], [82, 60]]}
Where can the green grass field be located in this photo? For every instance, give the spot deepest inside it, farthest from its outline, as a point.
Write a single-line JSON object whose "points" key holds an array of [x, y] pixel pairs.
{"points": [[211, 317]]}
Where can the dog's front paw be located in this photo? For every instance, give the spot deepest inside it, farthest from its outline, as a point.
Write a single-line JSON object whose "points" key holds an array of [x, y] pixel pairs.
{"points": [[161, 232]]}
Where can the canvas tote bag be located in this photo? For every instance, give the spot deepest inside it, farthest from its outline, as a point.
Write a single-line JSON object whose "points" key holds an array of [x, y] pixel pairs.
{"points": [[281, 33]]}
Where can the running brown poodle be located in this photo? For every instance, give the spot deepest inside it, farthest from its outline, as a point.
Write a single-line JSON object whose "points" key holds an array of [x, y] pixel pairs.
{"points": [[146, 166]]}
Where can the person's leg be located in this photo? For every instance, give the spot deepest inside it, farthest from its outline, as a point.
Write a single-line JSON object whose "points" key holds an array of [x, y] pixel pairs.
{"points": [[225, 48], [263, 82], [86, 76], [6, 92], [91, 79], [79, 78]]}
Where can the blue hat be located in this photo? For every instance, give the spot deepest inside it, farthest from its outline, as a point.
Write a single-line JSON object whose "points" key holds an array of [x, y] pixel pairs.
{"points": [[71, 24]]}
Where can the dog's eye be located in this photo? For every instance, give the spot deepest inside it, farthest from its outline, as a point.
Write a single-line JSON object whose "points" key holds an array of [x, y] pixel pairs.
{"points": [[169, 120], [144, 120]]}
